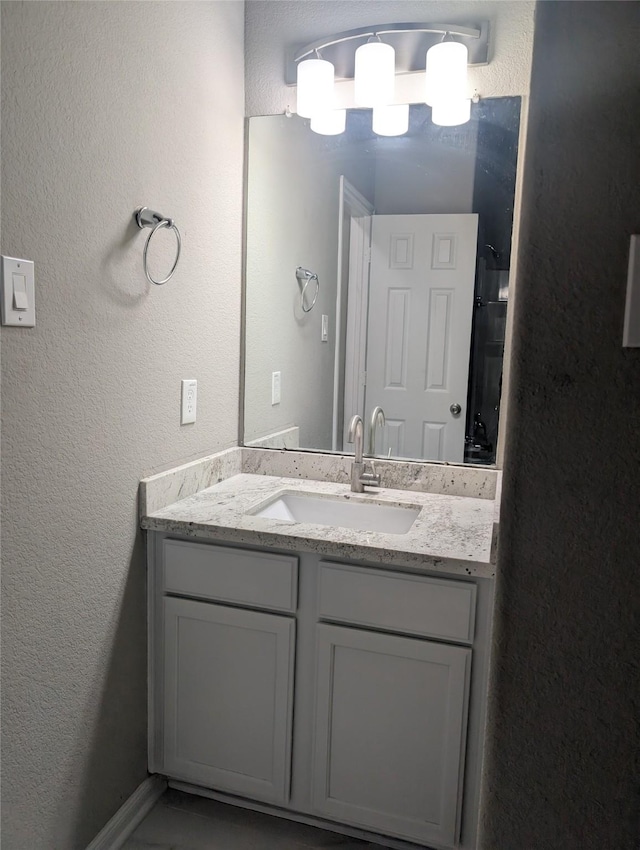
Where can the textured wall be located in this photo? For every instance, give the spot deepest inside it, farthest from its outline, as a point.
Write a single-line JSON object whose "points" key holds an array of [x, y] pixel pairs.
{"points": [[562, 762], [275, 26], [105, 106]]}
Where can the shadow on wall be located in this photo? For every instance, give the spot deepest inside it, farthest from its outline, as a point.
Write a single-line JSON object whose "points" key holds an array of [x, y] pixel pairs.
{"points": [[120, 284], [123, 697]]}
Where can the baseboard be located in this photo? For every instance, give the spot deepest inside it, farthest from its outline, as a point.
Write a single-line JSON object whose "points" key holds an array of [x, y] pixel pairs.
{"points": [[385, 842], [116, 831]]}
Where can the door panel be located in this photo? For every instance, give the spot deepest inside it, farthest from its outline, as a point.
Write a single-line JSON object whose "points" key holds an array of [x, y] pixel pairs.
{"points": [[397, 339], [390, 731], [228, 698], [438, 339], [419, 330], [394, 438]]}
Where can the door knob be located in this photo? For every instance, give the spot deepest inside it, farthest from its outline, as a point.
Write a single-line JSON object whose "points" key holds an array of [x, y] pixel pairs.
{"points": [[455, 409]]}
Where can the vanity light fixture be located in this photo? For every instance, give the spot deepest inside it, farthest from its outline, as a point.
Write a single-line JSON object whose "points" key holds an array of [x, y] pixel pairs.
{"points": [[451, 114], [391, 120], [446, 73], [374, 64], [446, 84], [331, 122], [375, 74], [315, 80]]}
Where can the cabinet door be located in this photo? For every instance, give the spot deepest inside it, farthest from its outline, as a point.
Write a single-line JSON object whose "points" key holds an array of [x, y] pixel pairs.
{"points": [[390, 733], [228, 688]]}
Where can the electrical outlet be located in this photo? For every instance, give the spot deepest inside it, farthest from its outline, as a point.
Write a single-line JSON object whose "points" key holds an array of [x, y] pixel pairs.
{"points": [[275, 387], [189, 402]]}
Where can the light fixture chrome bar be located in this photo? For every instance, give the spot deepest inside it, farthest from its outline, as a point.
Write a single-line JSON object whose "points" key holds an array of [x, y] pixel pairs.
{"points": [[385, 29], [410, 40]]}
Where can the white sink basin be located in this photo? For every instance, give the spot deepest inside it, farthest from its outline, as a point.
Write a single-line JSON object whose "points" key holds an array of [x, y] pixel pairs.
{"points": [[341, 511]]}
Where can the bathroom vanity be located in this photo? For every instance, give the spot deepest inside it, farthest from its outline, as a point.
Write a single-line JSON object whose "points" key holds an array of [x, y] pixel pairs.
{"points": [[334, 675], [317, 651]]}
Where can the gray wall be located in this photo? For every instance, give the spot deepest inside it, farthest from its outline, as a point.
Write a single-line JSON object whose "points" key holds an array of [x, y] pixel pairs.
{"points": [[275, 26], [292, 220], [564, 738], [424, 179], [105, 106]]}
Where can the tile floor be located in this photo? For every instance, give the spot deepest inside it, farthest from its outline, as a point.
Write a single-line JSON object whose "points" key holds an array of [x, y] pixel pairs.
{"points": [[181, 821]]}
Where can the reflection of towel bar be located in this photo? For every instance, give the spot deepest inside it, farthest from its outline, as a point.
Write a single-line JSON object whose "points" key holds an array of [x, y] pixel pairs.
{"points": [[307, 276]]}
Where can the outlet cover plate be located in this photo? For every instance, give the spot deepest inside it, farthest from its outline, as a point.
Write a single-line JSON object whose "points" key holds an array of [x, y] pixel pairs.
{"points": [[189, 402]]}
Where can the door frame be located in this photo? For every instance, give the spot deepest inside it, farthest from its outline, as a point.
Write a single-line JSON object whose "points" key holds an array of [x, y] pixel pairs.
{"points": [[354, 206]]}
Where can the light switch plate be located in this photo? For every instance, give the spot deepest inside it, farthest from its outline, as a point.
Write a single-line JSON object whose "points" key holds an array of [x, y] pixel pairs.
{"points": [[18, 302], [324, 331], [631, 333]]}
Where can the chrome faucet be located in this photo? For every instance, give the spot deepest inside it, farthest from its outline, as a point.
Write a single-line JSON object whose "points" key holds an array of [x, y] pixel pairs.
{"points": [[360, 476], [377, 418]]}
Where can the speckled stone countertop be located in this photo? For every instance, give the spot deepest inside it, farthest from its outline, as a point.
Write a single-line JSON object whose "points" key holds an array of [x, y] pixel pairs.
{"points": [[452, 534]]}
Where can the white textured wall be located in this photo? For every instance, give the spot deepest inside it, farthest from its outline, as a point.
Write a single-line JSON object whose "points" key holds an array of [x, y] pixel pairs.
{"points": [[292, 220], [105, 106], [275, 26]]}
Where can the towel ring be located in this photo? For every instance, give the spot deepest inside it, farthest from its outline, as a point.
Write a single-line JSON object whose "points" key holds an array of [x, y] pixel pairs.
{"points": [[307, 276], [149, 218]]}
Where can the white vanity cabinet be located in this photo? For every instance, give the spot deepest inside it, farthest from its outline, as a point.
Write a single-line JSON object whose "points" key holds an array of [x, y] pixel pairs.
{"points": [[390, 728], [228, 697], [391, 711], [380, 733], [226, 673]]}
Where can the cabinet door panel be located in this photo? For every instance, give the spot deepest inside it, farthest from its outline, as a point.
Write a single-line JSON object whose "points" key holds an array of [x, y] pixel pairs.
{"points": [[390, 733], [228, 698]]}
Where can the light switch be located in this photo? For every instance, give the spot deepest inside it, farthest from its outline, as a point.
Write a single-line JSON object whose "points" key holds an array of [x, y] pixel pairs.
{"points": [[20, 300], [18, 293], [324, 330]]}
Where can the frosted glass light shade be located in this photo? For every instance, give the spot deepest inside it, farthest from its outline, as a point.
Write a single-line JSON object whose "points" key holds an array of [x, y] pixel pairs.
{"points": [[332, 122], [451, 114], [391, 120], [446, 77], [314, 81], [375, 74]]}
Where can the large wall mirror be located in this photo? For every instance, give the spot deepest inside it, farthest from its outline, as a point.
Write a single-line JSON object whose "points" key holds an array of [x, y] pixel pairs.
{"points": [[377, 275]]}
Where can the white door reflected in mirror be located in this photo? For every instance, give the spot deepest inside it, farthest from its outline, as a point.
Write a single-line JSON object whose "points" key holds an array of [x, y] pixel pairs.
{"points": [[421, 285]]}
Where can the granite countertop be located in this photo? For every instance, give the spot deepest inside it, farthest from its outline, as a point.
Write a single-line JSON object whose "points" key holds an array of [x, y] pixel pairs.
{"points": [[452, 534]]}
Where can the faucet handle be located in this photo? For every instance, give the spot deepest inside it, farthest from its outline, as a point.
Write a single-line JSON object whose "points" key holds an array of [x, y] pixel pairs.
{"points": [[371, 479]]}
